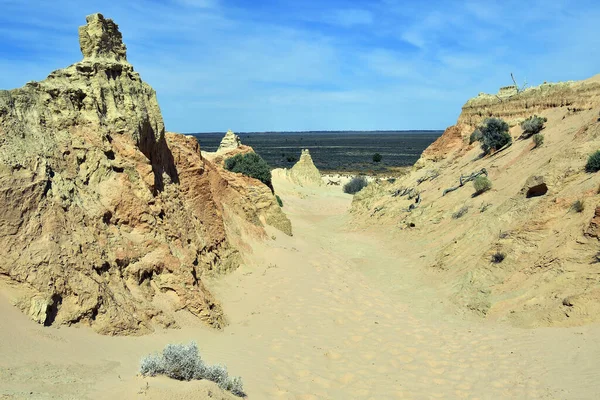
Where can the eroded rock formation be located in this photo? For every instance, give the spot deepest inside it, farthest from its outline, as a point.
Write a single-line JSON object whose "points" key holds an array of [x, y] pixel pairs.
{"points": [[304, 172], [230, 141], [106, 219]]}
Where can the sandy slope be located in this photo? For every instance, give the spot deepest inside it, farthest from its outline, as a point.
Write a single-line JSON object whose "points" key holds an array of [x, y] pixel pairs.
{"points": [[330, 313]]}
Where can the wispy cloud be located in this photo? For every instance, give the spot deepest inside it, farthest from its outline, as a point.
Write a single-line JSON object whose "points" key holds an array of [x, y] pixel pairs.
{"points": [[381, 64]]}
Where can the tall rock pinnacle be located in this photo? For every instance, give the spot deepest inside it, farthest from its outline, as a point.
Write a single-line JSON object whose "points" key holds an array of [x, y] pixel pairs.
{"points": [[101, 38]]}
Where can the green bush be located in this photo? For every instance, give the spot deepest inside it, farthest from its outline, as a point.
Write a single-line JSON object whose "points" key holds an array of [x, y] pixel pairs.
{"points": [[593, 163], [538, 140], [181, 362], [250, 164], [279, 200], [481, 184], [355, 185], [377, 157], [494, 134], [475, 136], [532, 125]]}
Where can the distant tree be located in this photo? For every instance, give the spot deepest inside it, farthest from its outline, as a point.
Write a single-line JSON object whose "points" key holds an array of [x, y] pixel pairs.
{"points": [[377, 157]]}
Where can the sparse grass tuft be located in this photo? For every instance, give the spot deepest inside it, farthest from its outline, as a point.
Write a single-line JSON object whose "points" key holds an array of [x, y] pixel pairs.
{"points": [[182, 362], [484, 207], [593, 163], [498, 257], [482, 184], [578, 206], [463, 210], [355, 185]]}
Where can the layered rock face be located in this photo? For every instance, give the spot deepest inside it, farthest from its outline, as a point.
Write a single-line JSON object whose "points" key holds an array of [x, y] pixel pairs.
{"points": [[107, 220], [514, 107], [522, 251], [304, 172]]}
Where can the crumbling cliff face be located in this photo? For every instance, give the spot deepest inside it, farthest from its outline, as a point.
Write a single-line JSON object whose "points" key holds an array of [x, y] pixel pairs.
{"points": [[519, 252], [107, 220], [514, 107]]}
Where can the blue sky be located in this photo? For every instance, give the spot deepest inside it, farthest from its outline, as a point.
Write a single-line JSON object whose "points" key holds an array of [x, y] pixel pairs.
{"points": [[262, 65]]}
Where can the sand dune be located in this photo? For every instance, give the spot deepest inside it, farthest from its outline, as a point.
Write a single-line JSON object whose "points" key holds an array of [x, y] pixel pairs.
{"points": [[329, 313]]}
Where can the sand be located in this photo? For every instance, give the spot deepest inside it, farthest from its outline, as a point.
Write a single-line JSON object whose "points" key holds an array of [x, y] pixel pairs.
{"points": [[331, 313]]}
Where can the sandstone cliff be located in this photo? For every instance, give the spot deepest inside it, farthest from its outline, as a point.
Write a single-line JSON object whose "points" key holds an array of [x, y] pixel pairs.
{"points": [[548, 275], [107, 220]]}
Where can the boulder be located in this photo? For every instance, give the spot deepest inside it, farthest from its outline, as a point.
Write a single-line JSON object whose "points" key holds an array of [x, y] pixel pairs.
{"points": [[535, 186]]}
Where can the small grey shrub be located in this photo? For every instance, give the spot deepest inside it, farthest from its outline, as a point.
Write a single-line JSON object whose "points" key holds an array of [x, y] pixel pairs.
{"points": [[475, 136], [538, 140], [481, 184], [460, 212], [494, 135], [532, 125], [355, 185], [182, 362]]}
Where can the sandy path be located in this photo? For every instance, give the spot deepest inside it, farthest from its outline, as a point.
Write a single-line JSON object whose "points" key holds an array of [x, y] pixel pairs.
{"points": [[326, 314]]}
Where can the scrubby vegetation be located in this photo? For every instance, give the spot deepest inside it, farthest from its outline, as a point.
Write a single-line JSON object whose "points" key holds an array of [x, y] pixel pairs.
{"points": [[377, 157], [484, 207], [250, 164], [355, 185], [578, 206], [482, 184], [475, 136], [182, 362], [532, 125], [494, 135], [463, 210], [538, 140], [498, 257], [593, 163], [279, 200]]}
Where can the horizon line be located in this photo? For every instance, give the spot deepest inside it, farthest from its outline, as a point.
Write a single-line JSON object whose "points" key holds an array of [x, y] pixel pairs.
{"points": [[321, 131]]}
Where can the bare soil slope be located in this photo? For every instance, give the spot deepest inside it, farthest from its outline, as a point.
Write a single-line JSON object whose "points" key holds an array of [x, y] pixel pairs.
{"points": [[550, 274]]}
